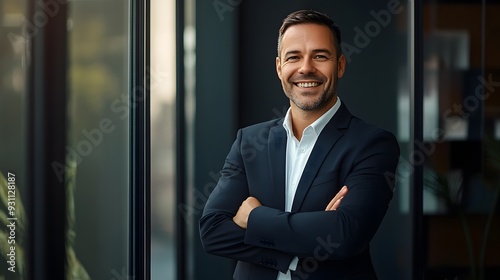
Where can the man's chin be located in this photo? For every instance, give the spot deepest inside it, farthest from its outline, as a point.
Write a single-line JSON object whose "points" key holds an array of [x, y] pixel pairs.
{"points": [[309, 106], [316, 91]]}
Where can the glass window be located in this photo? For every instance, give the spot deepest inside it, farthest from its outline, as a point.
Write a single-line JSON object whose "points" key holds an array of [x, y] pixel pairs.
{"points": [[13, 186], [163, 152], [98, 140], [462, 70]]}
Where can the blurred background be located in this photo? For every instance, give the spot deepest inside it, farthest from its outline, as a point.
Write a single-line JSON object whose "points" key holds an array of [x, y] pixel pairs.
{"points": [[212, 71]]}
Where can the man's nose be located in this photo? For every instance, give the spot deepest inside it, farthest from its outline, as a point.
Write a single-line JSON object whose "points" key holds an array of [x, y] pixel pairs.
{"points": [[307, 66]]}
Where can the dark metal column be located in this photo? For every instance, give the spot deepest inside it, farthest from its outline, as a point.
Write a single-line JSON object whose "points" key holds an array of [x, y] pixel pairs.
{"points": [[180, 146], [46, 141], [416, 137], [140, 200]]}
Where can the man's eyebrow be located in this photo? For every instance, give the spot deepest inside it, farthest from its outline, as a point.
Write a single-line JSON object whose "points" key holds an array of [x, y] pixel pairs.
{"points": [[292, 52], [322, 51]]}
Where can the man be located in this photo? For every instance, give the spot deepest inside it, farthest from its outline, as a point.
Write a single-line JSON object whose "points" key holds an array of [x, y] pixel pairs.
{"points": [[301, 197]]}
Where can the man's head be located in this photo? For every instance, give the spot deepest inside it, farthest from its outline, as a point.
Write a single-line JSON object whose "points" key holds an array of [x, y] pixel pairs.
{"points": [[309, 61], [314, 17]]}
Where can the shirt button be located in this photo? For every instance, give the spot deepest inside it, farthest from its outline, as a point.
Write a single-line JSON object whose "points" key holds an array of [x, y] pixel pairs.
{"points": [[302, 150]]}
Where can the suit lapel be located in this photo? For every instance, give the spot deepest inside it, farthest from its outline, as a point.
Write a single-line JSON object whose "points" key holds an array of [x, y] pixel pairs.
{"points": [[277, 160], [326, 140]]}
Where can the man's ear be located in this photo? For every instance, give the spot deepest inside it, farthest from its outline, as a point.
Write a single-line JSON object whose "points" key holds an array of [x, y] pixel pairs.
{"points": [[341, 65], [278, 67]]}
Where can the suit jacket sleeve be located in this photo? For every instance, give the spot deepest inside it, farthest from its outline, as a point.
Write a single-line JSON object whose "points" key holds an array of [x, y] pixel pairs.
{"points": [[219, 234], [343, 233]]}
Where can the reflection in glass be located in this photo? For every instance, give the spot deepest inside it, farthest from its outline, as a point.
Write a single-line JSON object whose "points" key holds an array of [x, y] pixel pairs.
{"points": [[462, 183], [13, 39], [98, 134], [163, 88]]}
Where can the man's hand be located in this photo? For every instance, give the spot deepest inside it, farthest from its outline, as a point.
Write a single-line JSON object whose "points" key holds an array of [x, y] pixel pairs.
{"points": [[335, 202], [241, 218]]}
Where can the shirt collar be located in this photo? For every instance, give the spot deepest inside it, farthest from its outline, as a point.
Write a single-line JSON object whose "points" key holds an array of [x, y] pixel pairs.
{"points": [[318, 124]]}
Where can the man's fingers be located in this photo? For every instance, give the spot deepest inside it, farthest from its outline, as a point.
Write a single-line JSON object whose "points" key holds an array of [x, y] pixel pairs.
{"points": [[252, 202], [330, 204], [335, 202], [341, 193], [241, 217]]}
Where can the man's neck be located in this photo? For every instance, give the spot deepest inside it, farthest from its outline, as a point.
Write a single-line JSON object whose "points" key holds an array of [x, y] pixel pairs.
{"points": [[301, 118]]}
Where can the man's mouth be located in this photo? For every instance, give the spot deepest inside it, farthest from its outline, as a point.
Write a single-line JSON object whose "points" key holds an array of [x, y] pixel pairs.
{"points": [[307, 85]]}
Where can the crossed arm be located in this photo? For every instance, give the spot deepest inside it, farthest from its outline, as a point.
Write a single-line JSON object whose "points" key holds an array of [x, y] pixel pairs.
{"points": [[241, 217], [251, 232]]}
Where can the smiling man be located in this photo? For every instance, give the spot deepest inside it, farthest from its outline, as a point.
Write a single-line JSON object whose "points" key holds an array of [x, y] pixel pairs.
{"points": [[306, 200], [309, 65]]}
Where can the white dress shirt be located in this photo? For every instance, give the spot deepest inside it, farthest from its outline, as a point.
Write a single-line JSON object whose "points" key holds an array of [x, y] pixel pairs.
{"points": [[297, 154]]}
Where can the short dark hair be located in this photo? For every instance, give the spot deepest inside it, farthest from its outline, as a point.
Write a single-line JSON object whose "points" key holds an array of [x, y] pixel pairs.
{"points": [[310, 16]]}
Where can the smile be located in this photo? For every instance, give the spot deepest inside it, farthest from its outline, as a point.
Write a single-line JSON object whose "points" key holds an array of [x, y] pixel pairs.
{"points": [[307, 85]]}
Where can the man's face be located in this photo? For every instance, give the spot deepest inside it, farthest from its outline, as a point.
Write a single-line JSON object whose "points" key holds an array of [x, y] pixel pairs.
{"points": [[308, 66]]}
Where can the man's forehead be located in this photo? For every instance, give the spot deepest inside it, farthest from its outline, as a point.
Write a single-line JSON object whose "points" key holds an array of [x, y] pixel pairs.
{"points": [[314, 36]]}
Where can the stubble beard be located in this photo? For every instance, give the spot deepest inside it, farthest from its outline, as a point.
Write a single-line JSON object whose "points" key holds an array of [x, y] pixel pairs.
{"points": [[310, 105]]}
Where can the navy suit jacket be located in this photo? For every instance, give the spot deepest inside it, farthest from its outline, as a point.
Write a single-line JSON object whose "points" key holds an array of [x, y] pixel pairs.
{"points": [[329, 244]]}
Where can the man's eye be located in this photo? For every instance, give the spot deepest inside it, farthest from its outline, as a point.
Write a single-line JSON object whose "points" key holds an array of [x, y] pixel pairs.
{"points": [[292, 58], [321, 57]]}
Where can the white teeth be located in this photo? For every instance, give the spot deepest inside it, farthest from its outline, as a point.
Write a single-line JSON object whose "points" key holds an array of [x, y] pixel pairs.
{"points": [[307, 85]]}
